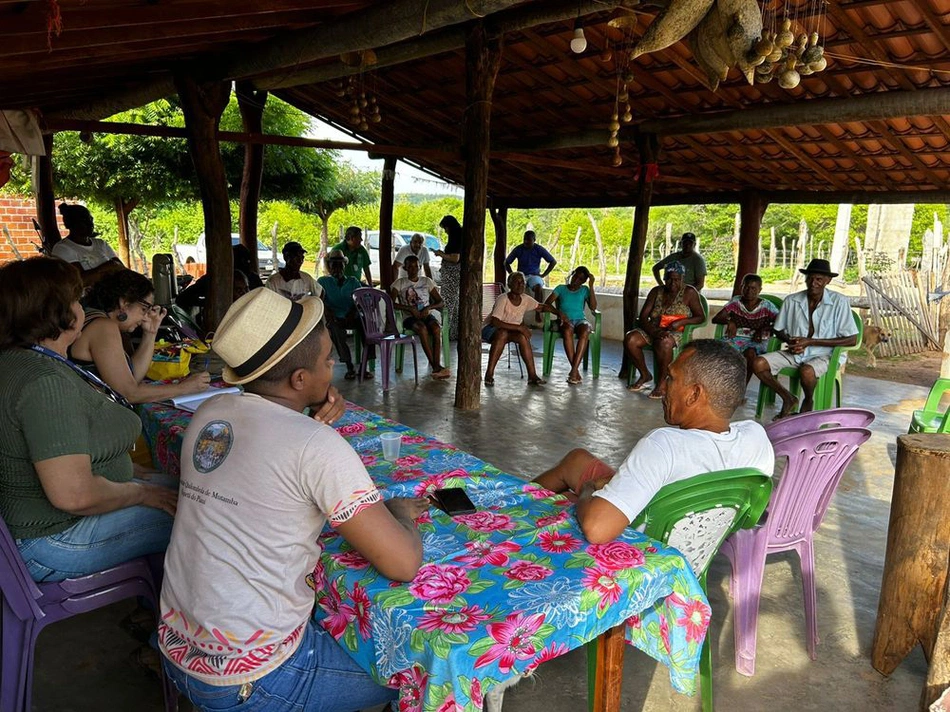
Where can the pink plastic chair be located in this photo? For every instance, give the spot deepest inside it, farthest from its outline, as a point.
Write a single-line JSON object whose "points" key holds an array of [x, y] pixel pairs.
{"points": [[816, 462], [28, 607], [816, 419], [381, 331]]}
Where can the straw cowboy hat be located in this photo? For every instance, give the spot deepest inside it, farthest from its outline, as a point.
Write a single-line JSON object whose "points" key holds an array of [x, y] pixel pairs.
{"points": [[260, 329], [819, 267]]}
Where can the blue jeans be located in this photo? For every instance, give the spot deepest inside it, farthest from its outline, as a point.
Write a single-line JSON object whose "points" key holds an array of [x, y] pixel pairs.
{"points": [[319, 677], [98, 541]]}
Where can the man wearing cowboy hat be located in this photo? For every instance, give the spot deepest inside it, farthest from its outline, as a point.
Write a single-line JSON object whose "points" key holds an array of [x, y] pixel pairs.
{"points": [[340, 310], [259, 480], [811, 323]]}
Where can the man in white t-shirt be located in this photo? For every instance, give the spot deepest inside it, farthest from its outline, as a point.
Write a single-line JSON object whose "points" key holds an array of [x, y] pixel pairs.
{"points": [[289, 281], [418, 297], [706, 383], [82, 247], [259, 480], [417, 247]]}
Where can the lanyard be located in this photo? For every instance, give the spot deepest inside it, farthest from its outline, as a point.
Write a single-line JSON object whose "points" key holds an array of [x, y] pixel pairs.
{"points": [[90, 378]]}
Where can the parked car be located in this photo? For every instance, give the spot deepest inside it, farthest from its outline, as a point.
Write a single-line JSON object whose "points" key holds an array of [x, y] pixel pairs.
{"points": [[198, 251], [400, 239]]}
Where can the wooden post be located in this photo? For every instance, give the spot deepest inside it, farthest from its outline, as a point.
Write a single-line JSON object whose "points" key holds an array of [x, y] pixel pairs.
{"points": [[203, 104], [122, 210], [482, 60], [918, 547], [251, 103], [386, 223], [648, 148], [938, 676], [43, 194], [499, 218], [751, 210]]}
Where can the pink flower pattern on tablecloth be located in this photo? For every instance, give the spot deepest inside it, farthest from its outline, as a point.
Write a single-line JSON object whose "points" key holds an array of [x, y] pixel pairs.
{"points": [[437, 583], [476, 610]]}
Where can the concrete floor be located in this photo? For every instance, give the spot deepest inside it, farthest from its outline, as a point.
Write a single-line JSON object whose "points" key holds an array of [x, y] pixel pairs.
{"points": [[81, 663]]}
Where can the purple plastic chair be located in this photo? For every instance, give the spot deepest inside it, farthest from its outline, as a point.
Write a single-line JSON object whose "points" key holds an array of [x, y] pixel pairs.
{"points": [[816, 462], [817, 419], [28, 607], [382, 333]]}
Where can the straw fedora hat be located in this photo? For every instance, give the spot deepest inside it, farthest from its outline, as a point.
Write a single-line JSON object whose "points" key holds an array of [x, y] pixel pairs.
{"points": [[260, 329]]}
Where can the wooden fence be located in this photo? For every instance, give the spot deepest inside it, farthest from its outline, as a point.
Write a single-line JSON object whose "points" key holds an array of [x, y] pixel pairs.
{"points": [[899, 304]]}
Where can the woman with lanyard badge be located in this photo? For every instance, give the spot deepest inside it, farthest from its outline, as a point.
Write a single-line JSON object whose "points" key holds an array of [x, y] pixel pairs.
{"points": [[67, 491]]}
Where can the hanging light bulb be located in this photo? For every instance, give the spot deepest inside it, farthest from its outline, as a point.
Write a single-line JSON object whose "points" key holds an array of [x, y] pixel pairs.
{"points": [[579, 43]]}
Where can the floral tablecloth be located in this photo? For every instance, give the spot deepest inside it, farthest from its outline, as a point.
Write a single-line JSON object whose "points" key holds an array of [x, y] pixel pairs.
{"points": [[501, 590]]}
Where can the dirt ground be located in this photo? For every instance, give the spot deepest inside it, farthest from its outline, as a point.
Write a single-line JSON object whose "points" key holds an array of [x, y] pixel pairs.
{"points": [[916, 369]]}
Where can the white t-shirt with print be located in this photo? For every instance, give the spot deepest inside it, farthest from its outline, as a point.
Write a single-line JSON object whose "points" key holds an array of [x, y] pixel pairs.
{"points": [[414, 293], [295, 289], [404, 252], [258, 483], [89, 257], [666, 455]]}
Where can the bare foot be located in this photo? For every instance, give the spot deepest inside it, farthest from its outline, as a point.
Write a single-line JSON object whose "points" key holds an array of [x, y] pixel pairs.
{"points": [[788, 407]]}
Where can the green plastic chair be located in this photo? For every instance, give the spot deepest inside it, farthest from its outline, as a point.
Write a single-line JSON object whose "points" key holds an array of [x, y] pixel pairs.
{"points": [[696, 516], [687, 336], [830, 386], [552, 335], [931, 419], [446, 348]]}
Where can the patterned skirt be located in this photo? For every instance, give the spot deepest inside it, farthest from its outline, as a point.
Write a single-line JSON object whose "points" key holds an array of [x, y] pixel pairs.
{"points": [[451, 282]]}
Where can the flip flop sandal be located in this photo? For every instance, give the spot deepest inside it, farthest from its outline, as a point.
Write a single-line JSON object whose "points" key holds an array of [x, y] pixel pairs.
{"points": [[489, 382], [350, 375], [574, 381], [536, 381], [655, 396], [634, 388]]}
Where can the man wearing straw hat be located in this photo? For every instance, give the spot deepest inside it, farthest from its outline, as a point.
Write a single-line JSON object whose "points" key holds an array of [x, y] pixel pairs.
{"points": [[811, 323], [259, 479]]}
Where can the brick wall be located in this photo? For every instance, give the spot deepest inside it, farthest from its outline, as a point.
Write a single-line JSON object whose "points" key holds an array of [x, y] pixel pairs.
{"points": [[15, 215]]}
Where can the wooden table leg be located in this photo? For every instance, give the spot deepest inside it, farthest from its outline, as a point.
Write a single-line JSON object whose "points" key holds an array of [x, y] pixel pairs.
{"points": [[610, 646]]}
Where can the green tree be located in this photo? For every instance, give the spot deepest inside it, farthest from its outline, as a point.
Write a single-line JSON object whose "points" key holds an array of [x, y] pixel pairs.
{"points": [[343, 187]]}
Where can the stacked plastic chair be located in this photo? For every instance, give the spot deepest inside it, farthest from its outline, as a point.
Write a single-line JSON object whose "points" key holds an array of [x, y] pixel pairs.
{"points": [[28, 607], [816, 460]]}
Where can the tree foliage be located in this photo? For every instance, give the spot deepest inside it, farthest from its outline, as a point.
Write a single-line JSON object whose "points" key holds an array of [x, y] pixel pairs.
{"points": [[343, 187]]}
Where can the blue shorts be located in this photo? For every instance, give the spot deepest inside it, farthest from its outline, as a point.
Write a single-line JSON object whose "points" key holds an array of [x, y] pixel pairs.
{"points": [[488, 331], [533, 280]]}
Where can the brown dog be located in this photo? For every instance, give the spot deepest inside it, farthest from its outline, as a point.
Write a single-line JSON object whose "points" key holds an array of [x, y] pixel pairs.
{"points": [[874, 335]]}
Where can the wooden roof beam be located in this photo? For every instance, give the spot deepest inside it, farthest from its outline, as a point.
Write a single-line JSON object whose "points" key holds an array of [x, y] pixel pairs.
{"points": [[866, 107], [805, 197], [447, 40]]}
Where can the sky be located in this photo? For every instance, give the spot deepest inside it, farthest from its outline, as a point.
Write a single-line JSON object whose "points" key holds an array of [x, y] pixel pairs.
{"points": [[408, 178]]}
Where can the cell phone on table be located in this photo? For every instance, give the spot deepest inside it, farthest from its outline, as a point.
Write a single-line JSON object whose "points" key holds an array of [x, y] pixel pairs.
{"points": [[453, 501]]}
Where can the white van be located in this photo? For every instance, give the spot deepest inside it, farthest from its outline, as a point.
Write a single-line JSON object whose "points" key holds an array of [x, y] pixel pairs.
{"points": [[198, 251], [400, 239]]}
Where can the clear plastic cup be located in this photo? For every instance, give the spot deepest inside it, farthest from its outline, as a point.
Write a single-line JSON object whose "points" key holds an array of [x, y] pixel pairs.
{"points": [[391, 443]]}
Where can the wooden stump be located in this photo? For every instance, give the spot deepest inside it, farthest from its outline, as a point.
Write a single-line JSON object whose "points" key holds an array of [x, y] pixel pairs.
{"points": [[918, 547], [938, 677]]}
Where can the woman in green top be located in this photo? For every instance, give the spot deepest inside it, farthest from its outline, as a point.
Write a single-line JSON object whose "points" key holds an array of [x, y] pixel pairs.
{"points": [[570, 300], [67, 493]]}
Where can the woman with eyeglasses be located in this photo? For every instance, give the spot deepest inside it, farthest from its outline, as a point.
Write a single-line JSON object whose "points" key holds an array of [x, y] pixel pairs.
{"points": [[67, 492], [119, 304]]}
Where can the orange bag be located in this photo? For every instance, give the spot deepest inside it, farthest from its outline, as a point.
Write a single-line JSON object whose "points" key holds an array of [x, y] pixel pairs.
{"points": [[667, 319]]}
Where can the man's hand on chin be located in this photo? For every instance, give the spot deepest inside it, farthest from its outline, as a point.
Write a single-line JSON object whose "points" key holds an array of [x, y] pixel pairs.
{"points": [[332, 409]]}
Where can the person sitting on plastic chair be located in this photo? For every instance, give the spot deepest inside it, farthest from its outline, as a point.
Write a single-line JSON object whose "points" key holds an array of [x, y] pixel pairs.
{"points": [[705, 385], [811, 323], [419, 298], [571, 299]]}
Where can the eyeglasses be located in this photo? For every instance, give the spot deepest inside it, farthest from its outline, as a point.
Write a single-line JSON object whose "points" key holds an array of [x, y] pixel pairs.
{"points": [[149, 307]]}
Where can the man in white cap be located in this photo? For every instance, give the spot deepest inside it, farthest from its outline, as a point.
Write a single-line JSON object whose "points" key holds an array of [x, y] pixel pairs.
{"points": [[259, 480], [810, 323]]}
